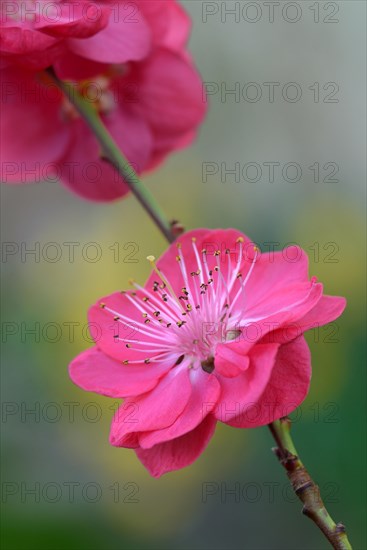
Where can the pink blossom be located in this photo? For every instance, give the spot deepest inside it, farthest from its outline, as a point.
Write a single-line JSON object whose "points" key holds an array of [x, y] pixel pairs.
{"points": [[131, 66], [216, 334]]}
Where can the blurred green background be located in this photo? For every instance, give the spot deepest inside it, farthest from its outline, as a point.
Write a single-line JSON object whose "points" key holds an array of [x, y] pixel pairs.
{"points": [[64, 444]]}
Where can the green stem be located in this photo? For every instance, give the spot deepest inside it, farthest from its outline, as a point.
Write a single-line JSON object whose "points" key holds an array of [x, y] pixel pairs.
{"points": [[304, 487], [112, 153]]}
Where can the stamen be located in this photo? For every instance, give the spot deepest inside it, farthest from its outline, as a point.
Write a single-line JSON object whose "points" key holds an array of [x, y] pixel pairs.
{"points": [[136, 325], [205, 290], [243, 283], [153, 359], [151, 302], [151, 260]]}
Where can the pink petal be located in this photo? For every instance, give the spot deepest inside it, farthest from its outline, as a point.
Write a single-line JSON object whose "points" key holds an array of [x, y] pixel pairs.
{"points": [[170, 97], [287, 388], [276, 280], [288, 303], [123, 39], [82, 170], [78, 20], [325, 310], [231, 358], [154, 410], [241, 393], [33, 135], [74, 67], [203, 398], [168, 21], [180, 452], [37, 60], [94, 371], [160, 153], [283, 324], [18, 40]]}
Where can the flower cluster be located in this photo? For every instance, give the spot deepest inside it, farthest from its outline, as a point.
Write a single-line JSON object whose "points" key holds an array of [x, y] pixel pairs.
{"points": [[129, 60], [216, 334]]}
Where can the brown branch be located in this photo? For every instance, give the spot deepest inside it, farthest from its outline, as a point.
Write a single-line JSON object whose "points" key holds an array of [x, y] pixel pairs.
{"points": [[304, 486]]}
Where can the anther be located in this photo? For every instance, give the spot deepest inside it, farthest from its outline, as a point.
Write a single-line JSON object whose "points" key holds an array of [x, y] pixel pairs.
{"points": [[165, 282], [180, 359], [208, 365]]}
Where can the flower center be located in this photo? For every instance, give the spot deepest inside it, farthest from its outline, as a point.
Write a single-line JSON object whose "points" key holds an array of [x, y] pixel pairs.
{"points": [[185, 323], [96, 93]]}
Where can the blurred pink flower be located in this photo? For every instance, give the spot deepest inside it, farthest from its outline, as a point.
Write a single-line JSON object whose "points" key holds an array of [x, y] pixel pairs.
{"points": [[128, 59], [33, 33], [215, 334]]}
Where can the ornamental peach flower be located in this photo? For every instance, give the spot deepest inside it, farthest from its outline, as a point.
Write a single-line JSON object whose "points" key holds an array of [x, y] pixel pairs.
{"points": [[216, 334], [132, 67]]}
